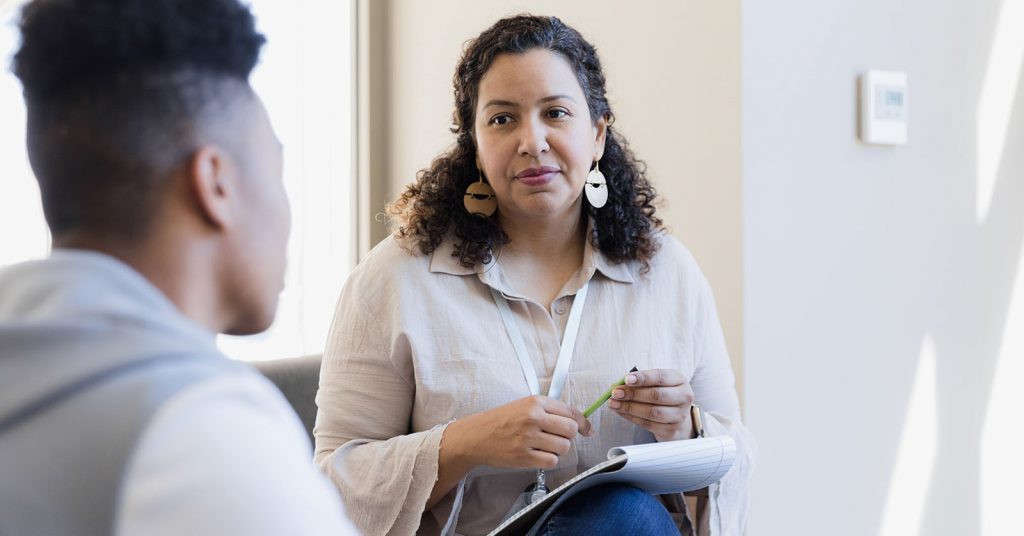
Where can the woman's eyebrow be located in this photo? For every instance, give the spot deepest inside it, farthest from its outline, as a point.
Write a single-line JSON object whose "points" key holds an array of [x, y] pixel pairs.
{"points": [[511, 104], [556, 97], [499, 102]]}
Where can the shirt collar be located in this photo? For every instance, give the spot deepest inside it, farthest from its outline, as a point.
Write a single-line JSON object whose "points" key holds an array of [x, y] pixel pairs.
{"points": [[594, 261]]}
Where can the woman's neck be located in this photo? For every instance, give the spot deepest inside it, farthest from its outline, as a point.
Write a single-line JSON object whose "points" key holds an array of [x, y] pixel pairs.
{"points": [[545, 240], [542, 256]]}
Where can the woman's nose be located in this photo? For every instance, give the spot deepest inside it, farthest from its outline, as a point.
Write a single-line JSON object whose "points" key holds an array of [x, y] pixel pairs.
{"points": [[533, 138]]}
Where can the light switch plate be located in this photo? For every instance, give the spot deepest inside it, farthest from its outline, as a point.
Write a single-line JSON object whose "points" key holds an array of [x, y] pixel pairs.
{"points": [[883, 107]]}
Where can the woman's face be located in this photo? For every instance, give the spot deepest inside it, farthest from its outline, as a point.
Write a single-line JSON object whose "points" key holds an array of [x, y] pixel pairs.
{"points": [[535, 139]]}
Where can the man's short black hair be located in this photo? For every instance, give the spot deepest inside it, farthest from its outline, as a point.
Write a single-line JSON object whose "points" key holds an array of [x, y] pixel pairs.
{"points": [[119, 93]]}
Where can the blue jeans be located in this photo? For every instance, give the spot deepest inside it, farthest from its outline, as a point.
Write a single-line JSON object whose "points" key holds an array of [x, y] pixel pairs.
{"points": [[616, 509]]}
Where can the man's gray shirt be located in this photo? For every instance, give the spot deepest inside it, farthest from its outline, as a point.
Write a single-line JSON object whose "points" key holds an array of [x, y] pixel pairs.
{"points": [[119, 415]]}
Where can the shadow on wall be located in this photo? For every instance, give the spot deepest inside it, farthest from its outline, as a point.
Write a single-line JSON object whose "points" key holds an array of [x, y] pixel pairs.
{"points": [[953, 435]]}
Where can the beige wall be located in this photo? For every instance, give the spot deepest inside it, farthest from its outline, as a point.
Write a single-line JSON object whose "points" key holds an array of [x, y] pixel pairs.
{"points": [[673, 82]]}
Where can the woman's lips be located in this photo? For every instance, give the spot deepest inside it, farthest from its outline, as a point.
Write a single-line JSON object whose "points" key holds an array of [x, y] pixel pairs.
{"points": [[537, 176], [538, 180]]}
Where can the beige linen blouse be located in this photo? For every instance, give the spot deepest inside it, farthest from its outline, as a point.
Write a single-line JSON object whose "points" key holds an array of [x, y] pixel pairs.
{"points": [[417, 341]]}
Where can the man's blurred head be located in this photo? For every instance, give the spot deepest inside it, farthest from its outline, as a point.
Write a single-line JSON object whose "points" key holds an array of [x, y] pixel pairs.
{"points": [[142, 125]]}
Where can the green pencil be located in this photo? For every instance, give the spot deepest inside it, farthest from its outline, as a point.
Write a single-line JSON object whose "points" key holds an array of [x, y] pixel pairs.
{"points": [[607, 394]]}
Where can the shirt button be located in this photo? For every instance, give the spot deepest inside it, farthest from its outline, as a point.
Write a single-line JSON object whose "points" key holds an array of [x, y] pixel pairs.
{"points": [[560, 308]]}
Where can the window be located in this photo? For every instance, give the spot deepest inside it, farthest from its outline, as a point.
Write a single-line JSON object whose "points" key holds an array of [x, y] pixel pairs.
{"points": [[22, 227], [305, 79]]}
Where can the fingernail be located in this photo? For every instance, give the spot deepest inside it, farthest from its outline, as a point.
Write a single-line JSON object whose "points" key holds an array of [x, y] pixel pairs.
{"points": [[618, 393], [630, 379], [614, 404]]}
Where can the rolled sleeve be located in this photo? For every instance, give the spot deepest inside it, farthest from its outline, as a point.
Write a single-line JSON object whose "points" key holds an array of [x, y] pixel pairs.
{"points": [[363, 442]]}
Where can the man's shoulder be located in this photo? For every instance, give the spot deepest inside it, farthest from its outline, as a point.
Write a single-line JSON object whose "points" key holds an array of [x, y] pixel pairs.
{"points": [[228, 453], [223, 393]]}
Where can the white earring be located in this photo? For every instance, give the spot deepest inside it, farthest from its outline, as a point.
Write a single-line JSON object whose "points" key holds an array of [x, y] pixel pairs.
{"points": [[596, 188]]}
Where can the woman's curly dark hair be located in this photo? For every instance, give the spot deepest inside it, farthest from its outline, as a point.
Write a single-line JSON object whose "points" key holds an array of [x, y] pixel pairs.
{"points": [[432, 206]]}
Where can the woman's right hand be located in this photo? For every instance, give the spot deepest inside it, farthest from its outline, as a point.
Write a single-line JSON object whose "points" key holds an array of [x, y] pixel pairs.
{"points": [[531, 432]]}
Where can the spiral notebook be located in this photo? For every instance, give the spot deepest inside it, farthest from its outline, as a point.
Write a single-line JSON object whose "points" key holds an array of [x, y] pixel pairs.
{"points": [[657, 468]]}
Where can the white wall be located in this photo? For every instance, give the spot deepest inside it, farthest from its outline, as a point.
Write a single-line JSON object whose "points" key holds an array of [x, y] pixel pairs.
{"points": [[673, 82], [883, 284]]}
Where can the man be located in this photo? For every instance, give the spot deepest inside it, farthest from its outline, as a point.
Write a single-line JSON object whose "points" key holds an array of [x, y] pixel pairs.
{"points": [[160, 177]]}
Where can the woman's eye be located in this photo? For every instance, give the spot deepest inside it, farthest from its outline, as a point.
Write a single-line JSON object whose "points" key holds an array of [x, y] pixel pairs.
{"points": [[557, 113], [500, 120]]}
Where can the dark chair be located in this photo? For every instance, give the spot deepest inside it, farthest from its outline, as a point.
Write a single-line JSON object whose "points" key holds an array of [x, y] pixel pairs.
{"points": [[298, 378]]}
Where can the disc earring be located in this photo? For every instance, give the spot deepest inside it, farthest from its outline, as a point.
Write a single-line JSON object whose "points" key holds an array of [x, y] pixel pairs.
{"points": [[480, 199], [596, 188]]}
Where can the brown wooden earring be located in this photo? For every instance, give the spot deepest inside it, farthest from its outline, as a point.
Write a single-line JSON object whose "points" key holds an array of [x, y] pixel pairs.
{"points": [[480, 199]]}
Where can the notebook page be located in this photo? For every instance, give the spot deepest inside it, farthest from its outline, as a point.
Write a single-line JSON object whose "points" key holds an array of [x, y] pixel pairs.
{"points": [[657, 468]]}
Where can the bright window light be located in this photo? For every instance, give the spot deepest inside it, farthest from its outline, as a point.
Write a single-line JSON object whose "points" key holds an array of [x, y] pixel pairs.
{"points": [[305, 80], [23, 232], [995, 104], [915, 463], [1002, 442]]}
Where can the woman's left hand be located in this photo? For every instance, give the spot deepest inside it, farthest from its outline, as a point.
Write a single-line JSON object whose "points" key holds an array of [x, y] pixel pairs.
{"points": [[658, 400]]}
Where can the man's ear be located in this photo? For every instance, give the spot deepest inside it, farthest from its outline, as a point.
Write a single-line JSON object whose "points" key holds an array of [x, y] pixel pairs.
{"points": [[601, 133], [211, 183]]}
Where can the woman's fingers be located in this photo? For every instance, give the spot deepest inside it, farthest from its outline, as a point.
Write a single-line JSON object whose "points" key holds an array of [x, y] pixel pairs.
{"points": [[561, 426], [559, 410], [658, 400], [655, 377], [540, 459], [551, 443], [651, 412], [680, 395], [582, 423]]}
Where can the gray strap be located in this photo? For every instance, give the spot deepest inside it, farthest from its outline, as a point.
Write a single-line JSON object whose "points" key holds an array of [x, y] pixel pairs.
{"points": [[54, 397]]}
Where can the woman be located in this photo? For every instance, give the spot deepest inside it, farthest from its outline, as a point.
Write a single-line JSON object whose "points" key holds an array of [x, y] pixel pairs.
{"points": [[464, 344]]}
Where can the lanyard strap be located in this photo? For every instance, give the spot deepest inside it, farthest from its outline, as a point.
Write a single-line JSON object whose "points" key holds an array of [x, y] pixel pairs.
{"points": [[572, 328]]}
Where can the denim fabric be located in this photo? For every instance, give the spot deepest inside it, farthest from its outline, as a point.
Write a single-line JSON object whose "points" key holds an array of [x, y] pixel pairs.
{"points": [[614, 509]]}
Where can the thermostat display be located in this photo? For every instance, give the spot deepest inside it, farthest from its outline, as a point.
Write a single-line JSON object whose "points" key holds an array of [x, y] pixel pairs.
{"points": [[883, 105]]}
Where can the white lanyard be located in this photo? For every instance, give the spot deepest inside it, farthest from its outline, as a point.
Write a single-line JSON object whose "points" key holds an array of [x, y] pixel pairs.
{"points": [[572, 328]]}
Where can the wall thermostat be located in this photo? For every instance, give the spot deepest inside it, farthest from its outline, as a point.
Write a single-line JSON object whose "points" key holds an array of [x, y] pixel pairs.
{"points": [[883, 107]]}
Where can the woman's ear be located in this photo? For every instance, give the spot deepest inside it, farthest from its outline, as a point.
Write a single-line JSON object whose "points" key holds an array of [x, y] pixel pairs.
{"points": [[600, 135]]}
